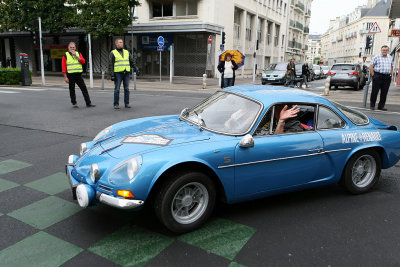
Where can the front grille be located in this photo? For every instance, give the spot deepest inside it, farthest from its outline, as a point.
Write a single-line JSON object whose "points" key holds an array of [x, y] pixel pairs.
{"points": [[105, 188]]}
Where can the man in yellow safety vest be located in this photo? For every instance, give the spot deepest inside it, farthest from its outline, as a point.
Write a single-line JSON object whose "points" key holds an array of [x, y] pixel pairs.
{"points": [[121, 62], [72, 63]]}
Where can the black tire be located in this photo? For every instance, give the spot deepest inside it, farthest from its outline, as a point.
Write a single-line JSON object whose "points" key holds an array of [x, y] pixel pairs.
{"points": [[172, 196], [263, 83], [356, 166]]}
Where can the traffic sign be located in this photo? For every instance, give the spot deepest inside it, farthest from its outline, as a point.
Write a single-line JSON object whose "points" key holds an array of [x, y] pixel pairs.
{"points": [[160, 41], [210, 39], [160, 48], [375, 28], [221, 47]]}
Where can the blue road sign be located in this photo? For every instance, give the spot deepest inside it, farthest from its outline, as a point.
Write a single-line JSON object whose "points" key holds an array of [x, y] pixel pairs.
{"points": [[160, 41], [221, 47], [160, 48]]}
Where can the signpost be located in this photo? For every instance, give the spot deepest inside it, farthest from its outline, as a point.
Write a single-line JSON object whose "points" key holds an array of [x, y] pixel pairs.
{"points": [[160, 48]]}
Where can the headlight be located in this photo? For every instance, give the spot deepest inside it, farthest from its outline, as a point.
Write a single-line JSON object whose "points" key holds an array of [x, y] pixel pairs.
{"points": [[264, 75], [82, 149], [102, 133], [125, 171], [94, 172]]}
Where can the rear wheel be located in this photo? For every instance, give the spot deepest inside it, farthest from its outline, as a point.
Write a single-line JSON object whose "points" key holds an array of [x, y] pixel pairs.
{"points": [[362, 172], [185, 202]]}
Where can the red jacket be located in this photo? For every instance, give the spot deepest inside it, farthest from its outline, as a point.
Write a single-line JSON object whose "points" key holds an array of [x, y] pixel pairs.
{"points": [[64, 62]]}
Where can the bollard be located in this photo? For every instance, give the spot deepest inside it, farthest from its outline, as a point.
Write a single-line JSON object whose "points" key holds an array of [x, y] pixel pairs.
{"points": [[204, 81], [327, 85], [134, 81], [366, 88], [102, 79]]}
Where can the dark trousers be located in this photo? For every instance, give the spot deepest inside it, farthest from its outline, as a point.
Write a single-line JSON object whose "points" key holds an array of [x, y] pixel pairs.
{"points": [[290, 79], [121, 77], [303, 80], [379, 82], [77, 78], [228, 82]]}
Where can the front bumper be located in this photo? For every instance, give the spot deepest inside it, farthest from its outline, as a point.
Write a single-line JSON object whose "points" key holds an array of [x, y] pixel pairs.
{"points": [[101, 197], [274, 81]]}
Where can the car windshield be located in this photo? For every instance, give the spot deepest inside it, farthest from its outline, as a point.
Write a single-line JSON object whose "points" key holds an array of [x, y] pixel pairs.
{"points": [[277, 66], [226, 113], [356, 117], [343, 67]]}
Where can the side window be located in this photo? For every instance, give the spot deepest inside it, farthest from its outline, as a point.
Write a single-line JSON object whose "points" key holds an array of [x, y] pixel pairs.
{"points": [[327, 119], [304, 121]]}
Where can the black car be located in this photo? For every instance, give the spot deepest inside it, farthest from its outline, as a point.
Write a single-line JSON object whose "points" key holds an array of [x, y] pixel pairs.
{"points": [[310, 76], [347, 74]]}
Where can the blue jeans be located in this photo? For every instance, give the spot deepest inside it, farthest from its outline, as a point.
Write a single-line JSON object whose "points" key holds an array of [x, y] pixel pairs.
{"points": [[228, 82], [304, 80], [119, 78]]}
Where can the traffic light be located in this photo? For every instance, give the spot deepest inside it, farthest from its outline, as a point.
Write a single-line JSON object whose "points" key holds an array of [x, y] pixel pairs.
{"points": [[36, 38], [368, 43], [223, 38]]}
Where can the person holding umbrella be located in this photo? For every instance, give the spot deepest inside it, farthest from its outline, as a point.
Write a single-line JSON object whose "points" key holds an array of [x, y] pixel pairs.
{"points": [[227, 69]]}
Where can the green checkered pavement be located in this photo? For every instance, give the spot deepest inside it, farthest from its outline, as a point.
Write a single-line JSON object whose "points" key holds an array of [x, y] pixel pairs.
{"points": [[128, 245]]}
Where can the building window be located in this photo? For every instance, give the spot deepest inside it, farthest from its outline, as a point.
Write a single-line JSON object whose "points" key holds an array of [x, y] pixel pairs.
{"points": [[259, 32], [162, 9], [236, 23], [269, 33], [248, 27], [185, 7], [170, 8], [276, 39]]}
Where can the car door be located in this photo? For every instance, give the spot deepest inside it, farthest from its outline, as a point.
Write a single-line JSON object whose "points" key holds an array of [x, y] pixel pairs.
{"points": [[278, 162]]}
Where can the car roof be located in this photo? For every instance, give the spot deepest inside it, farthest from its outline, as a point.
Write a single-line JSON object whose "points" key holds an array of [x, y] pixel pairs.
{"points": [[269, 94]]}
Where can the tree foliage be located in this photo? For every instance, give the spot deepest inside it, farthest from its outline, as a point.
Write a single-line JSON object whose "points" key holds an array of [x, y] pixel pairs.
{"points": [[20, 15], [97, 17], [105, 17]]}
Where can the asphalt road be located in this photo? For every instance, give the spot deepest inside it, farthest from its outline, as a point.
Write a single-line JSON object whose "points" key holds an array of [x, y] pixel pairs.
{"points": [[39, 129]]}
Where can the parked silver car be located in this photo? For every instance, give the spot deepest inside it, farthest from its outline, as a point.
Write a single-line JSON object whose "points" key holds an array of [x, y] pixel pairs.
{"points": [[275, 73]]}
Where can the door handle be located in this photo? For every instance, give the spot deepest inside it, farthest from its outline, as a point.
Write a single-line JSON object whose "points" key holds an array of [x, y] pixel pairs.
{"points": [[318, 150]]}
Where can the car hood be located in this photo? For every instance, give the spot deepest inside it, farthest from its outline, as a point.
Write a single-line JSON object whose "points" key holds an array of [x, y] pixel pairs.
{"points": [[143, 135]]}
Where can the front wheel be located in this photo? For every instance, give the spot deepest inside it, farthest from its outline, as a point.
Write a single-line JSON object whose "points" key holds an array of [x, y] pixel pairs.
{"points": [[362, 172], [185, 201]]}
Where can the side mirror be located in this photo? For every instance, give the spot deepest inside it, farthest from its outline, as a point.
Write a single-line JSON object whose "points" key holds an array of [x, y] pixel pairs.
{"points": [[184, 112], [247, 141]]}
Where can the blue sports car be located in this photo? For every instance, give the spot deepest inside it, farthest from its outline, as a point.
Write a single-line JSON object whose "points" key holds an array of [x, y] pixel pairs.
{"points": [[241, 143]]}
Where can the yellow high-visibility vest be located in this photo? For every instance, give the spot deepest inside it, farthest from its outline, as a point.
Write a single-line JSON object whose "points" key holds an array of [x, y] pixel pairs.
{"points": [[121, 63], [73, 65]]}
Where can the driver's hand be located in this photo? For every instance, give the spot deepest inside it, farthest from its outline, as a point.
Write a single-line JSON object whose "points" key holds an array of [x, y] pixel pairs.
{"points": [[287, 113]]}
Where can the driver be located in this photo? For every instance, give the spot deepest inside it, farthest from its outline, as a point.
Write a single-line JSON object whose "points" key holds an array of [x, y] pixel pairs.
{"points": [[285, 120]]}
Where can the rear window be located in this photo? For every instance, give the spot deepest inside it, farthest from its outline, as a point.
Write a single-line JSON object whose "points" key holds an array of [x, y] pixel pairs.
{"points": [[343, 67], [356, 117]]}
